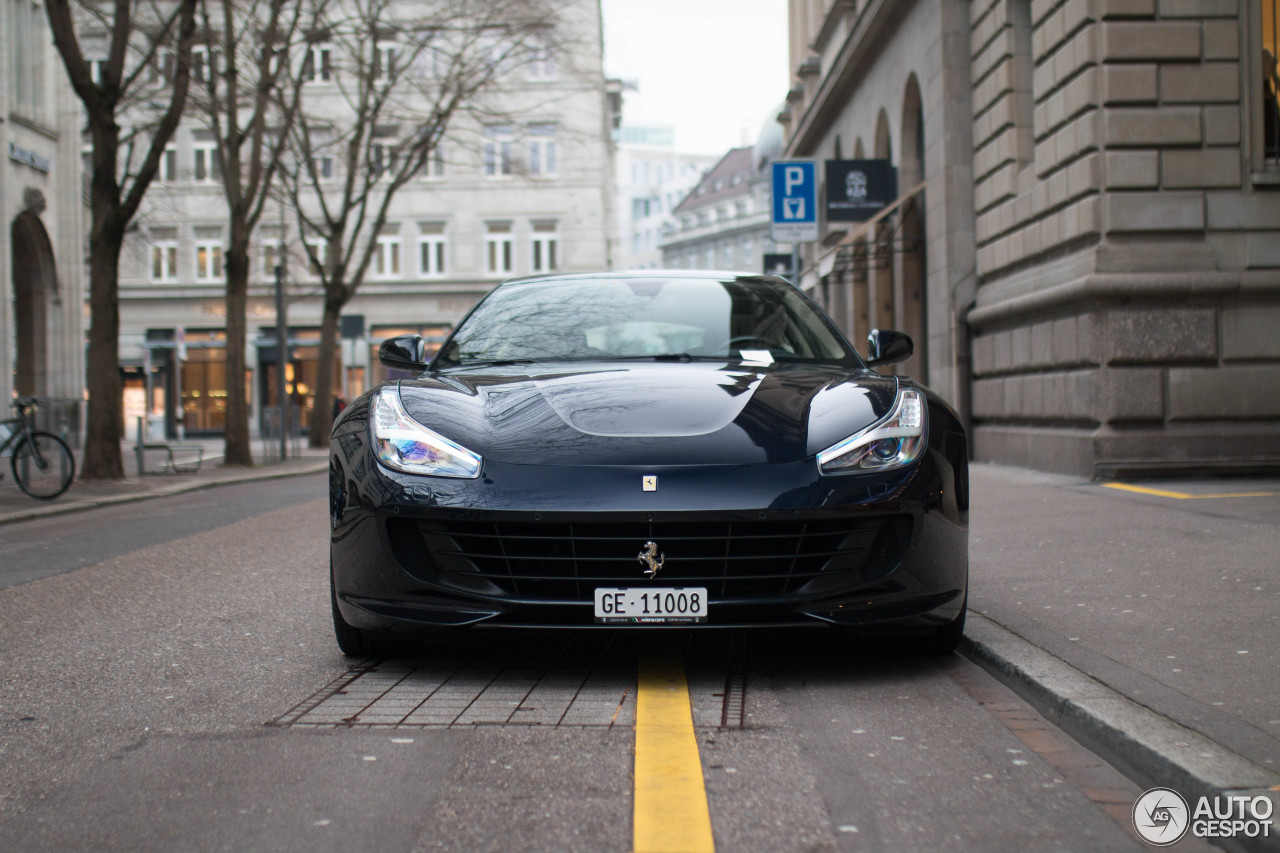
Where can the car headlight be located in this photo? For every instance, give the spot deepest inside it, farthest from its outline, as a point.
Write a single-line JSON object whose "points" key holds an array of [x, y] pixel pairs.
{"points": [[403, 444], [897, 439]]}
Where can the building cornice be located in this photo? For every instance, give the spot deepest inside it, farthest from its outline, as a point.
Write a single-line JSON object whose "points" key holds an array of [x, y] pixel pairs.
{"points": [[857, 53], [839, 10]]}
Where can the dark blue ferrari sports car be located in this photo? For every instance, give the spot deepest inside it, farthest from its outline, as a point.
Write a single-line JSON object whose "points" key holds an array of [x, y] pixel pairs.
{"points": [[648, 449]]}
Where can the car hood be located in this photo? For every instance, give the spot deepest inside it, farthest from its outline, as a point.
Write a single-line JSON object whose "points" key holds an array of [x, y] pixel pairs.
{"points": [[647, 413]]}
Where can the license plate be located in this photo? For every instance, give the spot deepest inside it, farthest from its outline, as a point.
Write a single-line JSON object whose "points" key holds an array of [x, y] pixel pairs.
{"points": [[649, 605]]}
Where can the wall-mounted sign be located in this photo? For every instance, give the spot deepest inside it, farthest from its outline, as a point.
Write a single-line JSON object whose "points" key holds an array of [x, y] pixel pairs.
{"points": [[859, 189], [27, 157], [795, 201]]}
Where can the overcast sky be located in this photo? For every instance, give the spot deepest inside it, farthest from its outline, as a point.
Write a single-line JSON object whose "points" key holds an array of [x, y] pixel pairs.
{"points": [[712, 69]]}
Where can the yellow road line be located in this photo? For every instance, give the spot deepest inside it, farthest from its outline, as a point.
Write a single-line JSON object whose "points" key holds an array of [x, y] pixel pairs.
{"points": [[1184, 496], [671, 814]]}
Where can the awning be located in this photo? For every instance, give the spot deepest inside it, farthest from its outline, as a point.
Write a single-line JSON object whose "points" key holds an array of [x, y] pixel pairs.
{"points": [[826, 261]]}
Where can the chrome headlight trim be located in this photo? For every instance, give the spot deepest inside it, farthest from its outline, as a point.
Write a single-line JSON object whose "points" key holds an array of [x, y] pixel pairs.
{"points": [[895, 440], [403, 444]]}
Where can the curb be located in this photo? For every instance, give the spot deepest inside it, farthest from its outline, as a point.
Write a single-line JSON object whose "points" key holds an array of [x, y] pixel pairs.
{"points": [[1144, 745], [191, 485]]}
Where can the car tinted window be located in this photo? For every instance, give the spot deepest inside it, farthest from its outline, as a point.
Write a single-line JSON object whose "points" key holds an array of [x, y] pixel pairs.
{"points": [[582, 319]]}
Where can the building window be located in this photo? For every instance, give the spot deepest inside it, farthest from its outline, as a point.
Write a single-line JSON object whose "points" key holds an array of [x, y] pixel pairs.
{"points": [[726, 251], [208, 163], [29, 35], [498, 248], [495, 49], [386, 256], [541, 65], [209, 255], [748, 253], [318, 63], [544, 247], [384, 60], [164, 260], [317, 256], [433, 168], [431, 252], [272, 254], [204, 64], [382, 157], [497, 150], [542, 149], [169, 165], [324, 167]]}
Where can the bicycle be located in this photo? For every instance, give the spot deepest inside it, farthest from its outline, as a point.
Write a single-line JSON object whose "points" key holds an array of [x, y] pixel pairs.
{"points": [[42, 464]]}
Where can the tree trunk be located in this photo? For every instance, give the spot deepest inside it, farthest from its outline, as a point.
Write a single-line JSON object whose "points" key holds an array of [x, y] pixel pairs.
{"points": [[102, 457], [322, 414], [238, 449]]}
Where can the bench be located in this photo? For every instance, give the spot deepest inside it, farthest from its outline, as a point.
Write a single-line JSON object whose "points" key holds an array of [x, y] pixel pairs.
{"points": [[173, 465]]}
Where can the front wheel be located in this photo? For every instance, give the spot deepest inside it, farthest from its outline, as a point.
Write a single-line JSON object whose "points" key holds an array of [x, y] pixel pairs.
{"points": [[43, 466]]}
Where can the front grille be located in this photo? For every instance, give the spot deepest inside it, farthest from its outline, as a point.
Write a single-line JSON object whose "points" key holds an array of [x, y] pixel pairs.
{"points": [[555, 561]]}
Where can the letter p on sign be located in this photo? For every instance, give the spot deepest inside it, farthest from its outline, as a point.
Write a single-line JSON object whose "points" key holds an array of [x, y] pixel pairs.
{"points": [[793, 177]]}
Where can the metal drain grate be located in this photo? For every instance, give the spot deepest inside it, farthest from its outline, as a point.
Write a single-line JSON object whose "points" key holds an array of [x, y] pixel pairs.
{"points": [[574, 685]]}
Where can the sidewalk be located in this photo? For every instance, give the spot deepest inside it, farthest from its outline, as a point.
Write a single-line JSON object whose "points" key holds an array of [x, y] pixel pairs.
{"points": [[17, 506], [1142, 618]]}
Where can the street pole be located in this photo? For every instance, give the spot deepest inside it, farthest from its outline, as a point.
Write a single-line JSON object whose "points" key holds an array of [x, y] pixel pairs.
{"points": [[282, 358]]}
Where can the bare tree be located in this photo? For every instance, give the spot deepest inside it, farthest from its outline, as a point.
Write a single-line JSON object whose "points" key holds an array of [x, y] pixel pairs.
{"points": [[143, 71], [404, 77], [250, 101]]}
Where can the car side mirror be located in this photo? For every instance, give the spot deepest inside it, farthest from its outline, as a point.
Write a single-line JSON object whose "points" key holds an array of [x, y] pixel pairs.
{"points": [[407, 352], [885, 346]]}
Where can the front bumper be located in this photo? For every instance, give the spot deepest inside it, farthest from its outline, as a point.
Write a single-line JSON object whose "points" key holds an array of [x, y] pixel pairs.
{"points": [[411, 552]]}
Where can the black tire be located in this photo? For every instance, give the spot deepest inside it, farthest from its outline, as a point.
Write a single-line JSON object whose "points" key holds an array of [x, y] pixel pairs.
{"points": [[43, 466]]}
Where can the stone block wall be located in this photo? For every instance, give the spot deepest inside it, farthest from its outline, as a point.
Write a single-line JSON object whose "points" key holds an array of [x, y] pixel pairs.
{"points": [[1128, 243]]}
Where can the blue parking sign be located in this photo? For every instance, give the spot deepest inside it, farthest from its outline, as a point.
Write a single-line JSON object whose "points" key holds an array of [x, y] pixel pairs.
{"points": [[795, 201]]}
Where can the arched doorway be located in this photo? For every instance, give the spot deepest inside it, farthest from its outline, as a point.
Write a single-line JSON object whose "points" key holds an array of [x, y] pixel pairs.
{"points": [[35, 287], [912, 271]]}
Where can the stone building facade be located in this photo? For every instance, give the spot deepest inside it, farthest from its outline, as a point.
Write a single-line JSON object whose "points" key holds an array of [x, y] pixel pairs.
{"points": [[1111, 296], [42, 320], [1128, 235]]}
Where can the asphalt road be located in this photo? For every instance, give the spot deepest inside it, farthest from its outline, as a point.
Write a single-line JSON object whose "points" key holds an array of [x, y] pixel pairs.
{"points": [[157, 662]]}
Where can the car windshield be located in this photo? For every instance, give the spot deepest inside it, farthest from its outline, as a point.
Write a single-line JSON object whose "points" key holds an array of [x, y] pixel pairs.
{"points": [[754, 320]]}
